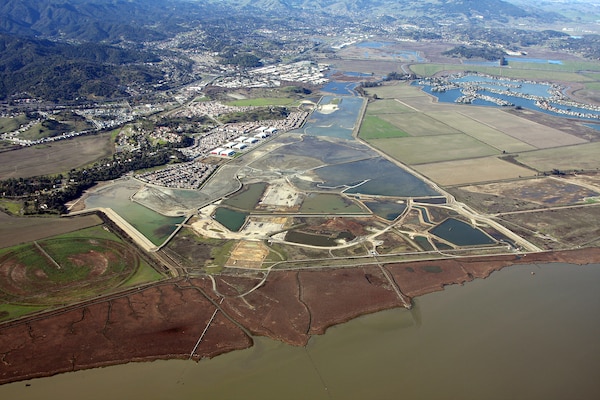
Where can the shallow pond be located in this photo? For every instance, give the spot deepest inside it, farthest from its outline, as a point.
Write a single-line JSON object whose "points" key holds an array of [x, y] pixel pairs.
{"points": [[374, 176], [389, 210], [154, 226], [335, 117], [461, 234]]}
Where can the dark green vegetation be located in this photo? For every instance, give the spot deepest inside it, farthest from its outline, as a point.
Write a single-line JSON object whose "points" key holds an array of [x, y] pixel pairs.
{"points": [[60, 71], [485, 52], [111, 21]]}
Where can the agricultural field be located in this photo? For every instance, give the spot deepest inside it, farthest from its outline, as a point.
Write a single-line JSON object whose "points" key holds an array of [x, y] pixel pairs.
{"points": [[535, 134], [481, 131], [472, 170], [374, 127], [430, 149], [582, 157], [419, 124], [398, 91], [56, 157], [14, 231], [387, 106]]}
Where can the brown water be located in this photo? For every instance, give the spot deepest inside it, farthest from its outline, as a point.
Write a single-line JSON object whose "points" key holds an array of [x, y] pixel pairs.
{"points": [[512, 336]]}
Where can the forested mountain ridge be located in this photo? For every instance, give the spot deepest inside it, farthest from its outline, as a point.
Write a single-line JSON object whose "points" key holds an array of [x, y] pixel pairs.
{"points": [[61, 71], [492, 10], [148, 20], [99, 20]]}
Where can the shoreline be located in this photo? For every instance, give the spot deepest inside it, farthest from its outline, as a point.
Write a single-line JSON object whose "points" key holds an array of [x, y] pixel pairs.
{"points": [[166, 320]]}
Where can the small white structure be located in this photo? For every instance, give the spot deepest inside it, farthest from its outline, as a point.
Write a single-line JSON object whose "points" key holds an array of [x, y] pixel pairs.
{"points": [[241, 139], [230, 145], [240, 146], [227, 153], [217, 151], [251, 140]]}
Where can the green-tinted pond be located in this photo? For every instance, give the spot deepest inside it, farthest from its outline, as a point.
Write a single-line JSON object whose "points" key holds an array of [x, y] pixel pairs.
{"points": [[156, 227], [230, 219], [247, 197], [329, 203]]}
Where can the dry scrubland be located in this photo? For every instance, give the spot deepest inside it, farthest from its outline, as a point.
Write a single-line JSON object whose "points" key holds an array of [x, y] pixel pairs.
{"points": [[56, 157]]}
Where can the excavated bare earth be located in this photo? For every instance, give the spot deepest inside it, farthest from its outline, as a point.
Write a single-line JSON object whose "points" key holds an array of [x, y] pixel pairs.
{"points": [[167, 320]]}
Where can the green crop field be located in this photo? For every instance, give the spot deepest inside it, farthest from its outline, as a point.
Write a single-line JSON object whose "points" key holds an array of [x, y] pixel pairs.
{"points": [[373, 127], [397, 91], [419, 124]]}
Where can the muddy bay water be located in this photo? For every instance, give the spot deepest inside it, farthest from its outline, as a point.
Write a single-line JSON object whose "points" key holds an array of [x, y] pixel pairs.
{"points": [[514, 335]]}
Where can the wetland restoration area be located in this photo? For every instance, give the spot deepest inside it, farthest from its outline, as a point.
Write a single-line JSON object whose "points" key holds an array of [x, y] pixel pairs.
{"points": [[374, 201]]}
